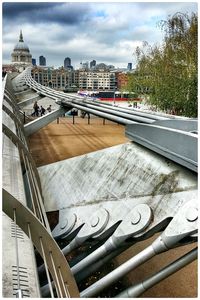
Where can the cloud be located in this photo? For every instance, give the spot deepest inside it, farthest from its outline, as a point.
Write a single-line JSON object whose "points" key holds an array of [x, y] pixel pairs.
{"points": [[106, 32], [45, 12]]}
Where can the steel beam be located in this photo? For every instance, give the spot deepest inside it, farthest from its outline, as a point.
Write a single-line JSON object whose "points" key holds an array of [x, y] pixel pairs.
{"points": [[177, 145]]}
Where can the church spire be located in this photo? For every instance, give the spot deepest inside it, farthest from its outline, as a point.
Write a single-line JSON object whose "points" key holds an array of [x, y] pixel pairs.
{"points": [[21, 37]]}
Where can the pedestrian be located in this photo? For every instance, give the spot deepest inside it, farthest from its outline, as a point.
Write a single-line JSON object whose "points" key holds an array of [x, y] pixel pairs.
{"points": [[42, 110], [49, 108], [35, 109]]}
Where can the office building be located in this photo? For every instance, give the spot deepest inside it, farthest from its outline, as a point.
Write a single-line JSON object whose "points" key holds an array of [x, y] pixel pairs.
{"points": [[42, 60], [129, 67], [67, 63], [33, 61], [92, 64]]}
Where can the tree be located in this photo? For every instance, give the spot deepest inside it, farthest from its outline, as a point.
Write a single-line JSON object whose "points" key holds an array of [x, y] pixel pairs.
{"points": [[168, 73]]}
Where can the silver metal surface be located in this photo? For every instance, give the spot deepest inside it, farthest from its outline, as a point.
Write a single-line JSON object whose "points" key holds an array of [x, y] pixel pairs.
{"points": [[125, 229], [122, 114], [177, 145], [26, 220], [177, 229], [140, 288], [131, 111]]}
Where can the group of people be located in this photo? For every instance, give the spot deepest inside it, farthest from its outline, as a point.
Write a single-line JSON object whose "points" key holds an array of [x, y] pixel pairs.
{"points": [[39, 111]]}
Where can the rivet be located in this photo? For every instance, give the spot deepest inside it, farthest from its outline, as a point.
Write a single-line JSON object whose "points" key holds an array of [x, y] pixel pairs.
{"points": [[192, 214], [135, 218], [95, 221]]}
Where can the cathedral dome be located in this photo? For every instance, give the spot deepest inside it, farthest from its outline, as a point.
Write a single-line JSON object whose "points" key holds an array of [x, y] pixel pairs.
{"points": [[21, 46], [21, 53]]}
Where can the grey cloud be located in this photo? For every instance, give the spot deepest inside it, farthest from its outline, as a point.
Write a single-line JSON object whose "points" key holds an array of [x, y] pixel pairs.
{"points": [[45, 12]]}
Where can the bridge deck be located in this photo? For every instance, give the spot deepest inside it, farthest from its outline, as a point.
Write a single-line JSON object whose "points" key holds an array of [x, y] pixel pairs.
{"points": [[66, 143]]}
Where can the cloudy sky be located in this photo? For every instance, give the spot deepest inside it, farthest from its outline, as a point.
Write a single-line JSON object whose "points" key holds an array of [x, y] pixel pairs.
{"points": [[108, 32]]}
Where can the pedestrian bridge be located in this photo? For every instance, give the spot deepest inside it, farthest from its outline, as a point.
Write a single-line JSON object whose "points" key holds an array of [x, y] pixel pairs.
{"points": [[108, 200]]}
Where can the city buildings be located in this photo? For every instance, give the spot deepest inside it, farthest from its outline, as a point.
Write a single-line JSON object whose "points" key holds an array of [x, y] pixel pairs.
{"points": [[60, 79], [100, 77], [90, 76]]}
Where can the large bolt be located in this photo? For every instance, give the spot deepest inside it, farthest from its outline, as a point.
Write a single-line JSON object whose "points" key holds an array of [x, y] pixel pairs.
{"points": [[135, 217], [192, 214]]}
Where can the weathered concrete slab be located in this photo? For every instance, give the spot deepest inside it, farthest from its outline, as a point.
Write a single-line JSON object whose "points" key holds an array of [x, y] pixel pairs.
{"points": [[110, 174]]}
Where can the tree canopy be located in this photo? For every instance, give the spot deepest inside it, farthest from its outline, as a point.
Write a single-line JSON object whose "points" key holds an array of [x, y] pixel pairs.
{"points": [[167, 75]]}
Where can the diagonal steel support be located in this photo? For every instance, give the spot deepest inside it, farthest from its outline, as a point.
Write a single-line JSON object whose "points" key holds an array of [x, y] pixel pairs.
{"points": [[182, 225]]}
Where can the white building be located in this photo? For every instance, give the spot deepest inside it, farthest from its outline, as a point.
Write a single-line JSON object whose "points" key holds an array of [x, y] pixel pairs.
{"points": [[96, 80]]}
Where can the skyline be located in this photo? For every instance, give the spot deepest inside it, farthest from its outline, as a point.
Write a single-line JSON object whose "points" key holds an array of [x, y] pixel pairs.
{"points": [[106, 32]]}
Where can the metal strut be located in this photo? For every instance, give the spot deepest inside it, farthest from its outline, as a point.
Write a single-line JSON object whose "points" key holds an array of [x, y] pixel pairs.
{"points": [[182, 225]]}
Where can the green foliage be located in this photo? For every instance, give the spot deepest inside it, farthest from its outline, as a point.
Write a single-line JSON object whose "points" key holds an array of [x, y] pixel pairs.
{"points": [[168, 74]]}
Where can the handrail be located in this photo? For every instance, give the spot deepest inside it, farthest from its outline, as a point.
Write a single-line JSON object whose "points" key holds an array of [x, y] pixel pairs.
{"points": [[23, 150], [45, 244]]}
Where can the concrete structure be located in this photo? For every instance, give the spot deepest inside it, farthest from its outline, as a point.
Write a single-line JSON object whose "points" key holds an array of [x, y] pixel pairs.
{"points": [[117, 196]]}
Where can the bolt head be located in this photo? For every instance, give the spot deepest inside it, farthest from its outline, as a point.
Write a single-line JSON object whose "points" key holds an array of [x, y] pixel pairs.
{"points": [[95, 221], [192, 214], [135, 218]]}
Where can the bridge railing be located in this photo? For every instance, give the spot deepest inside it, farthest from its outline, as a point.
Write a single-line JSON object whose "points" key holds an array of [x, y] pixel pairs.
{"points": [[31, 216]]}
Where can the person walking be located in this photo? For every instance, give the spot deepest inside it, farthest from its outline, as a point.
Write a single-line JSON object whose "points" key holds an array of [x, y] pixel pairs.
{"points": [[35, 109], [49, 108], [42, 110]]}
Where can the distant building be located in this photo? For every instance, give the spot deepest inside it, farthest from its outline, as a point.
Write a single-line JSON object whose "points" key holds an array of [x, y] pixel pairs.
{"points": [[21, 57], [42, 60], [67, 63], [84, 65], [92, 63], [59, 79], [122, 79], [33, 61], [96, 80], [129, 67], [8, 68]]}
